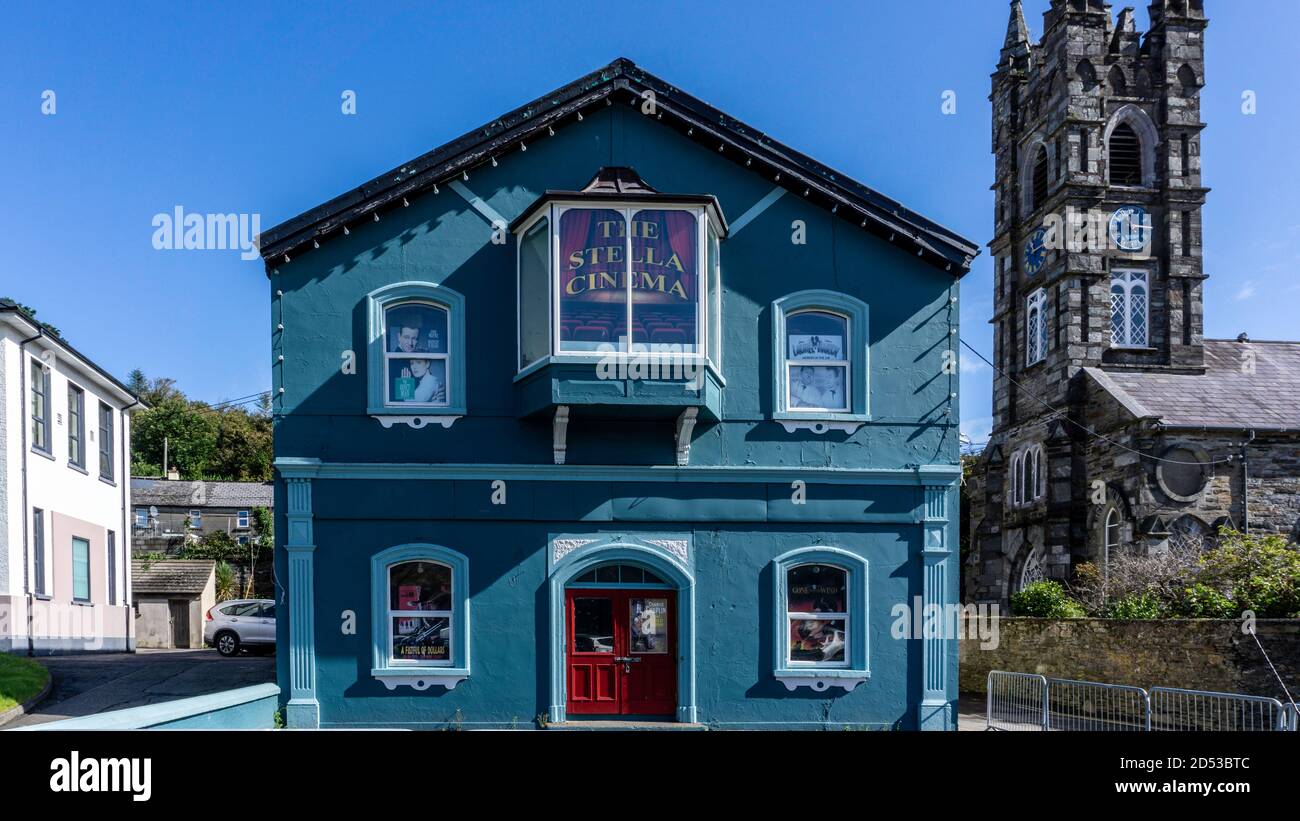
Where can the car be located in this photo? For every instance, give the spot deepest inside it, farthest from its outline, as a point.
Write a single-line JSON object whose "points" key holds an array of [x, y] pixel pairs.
{"points": [[238, 624]]}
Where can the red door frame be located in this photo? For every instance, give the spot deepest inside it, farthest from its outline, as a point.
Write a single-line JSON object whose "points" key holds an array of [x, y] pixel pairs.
{"points": [[597, 684]]}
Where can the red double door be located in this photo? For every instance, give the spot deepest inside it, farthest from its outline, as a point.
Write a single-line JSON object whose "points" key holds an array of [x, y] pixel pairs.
{"points": [[622, 652]]}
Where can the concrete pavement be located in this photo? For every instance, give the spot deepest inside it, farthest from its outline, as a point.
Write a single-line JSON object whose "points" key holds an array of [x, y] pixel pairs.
{"points": [[98, 682]]}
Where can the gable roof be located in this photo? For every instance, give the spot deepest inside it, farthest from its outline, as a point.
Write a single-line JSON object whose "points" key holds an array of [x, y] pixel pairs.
{"points": [[1227, 395], [182, 493], [13, 313], [171, 575], [696, 119]]}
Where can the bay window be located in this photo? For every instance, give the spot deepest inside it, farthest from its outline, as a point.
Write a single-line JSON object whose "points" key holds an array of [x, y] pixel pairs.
{"points": [[618, 269]]}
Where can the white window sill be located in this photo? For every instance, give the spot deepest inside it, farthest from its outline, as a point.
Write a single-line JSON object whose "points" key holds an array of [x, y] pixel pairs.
{"points": [[821, 679], [820, 421], [416, 421], [420, 678]]}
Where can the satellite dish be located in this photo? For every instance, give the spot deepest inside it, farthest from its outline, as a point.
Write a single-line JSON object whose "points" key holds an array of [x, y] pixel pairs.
{"points": [[153, 512]]}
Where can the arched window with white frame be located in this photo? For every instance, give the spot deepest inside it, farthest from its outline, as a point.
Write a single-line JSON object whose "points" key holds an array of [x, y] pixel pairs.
{"points": [[820, 607], [420, 600], [820, 361], [416, 353]]}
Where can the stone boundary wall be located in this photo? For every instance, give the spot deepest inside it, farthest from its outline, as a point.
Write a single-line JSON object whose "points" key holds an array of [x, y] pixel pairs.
{"points": [[1195, 654]]}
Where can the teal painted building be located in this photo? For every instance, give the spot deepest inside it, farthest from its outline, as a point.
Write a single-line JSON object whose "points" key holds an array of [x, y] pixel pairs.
{"points": [[615, 409]]}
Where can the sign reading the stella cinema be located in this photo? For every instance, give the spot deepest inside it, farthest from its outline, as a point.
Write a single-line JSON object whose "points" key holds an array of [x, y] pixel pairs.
{"points": [[624, 267]]}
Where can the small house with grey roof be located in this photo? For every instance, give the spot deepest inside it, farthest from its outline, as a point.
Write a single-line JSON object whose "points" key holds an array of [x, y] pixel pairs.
{"points": [[166, 514]]}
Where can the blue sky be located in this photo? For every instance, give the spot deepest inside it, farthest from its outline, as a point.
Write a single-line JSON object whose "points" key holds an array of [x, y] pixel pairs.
{"points": [[236, 108]]}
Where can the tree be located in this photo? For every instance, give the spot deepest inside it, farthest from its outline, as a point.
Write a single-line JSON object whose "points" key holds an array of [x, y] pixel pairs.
{"points": [[228, 443]]}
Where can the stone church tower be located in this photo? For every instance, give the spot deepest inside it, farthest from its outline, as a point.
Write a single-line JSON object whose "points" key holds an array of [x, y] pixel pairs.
{"points": [[1106, 430]]}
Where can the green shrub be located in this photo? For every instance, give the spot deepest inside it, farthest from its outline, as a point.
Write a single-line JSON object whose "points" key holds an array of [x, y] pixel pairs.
{"points": [[1136, 606], [1200, 601], [1046, 600], [225, 581], [1258, 573]]}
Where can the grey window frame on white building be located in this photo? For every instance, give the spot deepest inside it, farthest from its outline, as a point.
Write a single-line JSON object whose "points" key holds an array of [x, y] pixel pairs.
{"points": [[40, 410], [106, 471], [76, 427]]}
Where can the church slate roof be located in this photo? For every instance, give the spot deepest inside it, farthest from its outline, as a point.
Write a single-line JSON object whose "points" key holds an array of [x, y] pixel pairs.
{"points": [[1227, 395], [796, 171], [171, 575]]}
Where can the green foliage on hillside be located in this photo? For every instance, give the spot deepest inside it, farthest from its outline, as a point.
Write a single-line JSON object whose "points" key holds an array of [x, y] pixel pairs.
{"points": [[202, 442]]}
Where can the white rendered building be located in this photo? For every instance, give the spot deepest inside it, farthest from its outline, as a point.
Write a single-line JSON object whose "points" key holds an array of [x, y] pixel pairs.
{"points": [[65, 576]]}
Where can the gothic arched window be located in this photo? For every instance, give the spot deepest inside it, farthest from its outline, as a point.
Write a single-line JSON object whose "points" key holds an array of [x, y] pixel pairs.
{"points": [[1035, 327], [1189, 534], [1118, 85], [1034, 569], [1087, 75], [1124, 154], [1110, 538], [1187, 79], [1040, 177]]}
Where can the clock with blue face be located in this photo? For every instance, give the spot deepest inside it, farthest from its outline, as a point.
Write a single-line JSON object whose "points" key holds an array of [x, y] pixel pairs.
{"points": [[1130, 228], [1035, 252]]}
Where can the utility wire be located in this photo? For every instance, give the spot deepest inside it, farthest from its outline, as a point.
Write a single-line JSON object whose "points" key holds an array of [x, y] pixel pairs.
{"points": [[1087, 430]]}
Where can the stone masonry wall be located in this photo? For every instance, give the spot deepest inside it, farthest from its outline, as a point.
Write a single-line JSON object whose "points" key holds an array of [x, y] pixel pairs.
{"points": [[1201, 654]]}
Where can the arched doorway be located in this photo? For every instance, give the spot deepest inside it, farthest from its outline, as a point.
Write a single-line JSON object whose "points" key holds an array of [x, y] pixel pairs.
{"points": [[620, 645], [622, 640]]}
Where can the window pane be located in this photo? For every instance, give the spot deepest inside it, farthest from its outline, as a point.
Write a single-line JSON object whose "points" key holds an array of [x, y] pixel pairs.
{"points": [[715, 298], [817, 640], [534, 294], [1117, 334], [421, 639], [816, 588], [665, 280], [1137, 303], [419, 586], [414, 327], [74, 425], [816, 335], [593, 279], [821, 386], [105, 441], [649, 625], [417, 380], [593, 625], [608, 573], [81, 569]]}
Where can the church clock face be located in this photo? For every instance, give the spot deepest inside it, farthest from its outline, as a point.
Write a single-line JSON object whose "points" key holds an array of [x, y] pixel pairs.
{"points": [[1035, 252], [1130, 228]]}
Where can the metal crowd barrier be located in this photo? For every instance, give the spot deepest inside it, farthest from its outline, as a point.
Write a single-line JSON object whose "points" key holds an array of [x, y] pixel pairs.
{"points": [[1198, 710], [1024, 701], [1087, 705], [1017, 701]]}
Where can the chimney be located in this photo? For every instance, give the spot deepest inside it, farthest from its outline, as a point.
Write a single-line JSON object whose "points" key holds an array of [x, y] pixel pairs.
{"points": [[173, 474]]}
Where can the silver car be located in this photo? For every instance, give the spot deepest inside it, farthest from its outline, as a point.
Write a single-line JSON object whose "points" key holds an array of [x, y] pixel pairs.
{"points": [[240, 623]]}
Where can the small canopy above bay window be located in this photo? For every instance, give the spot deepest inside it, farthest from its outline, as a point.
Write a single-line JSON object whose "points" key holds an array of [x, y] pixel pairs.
{"points": [[619, 268]]}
